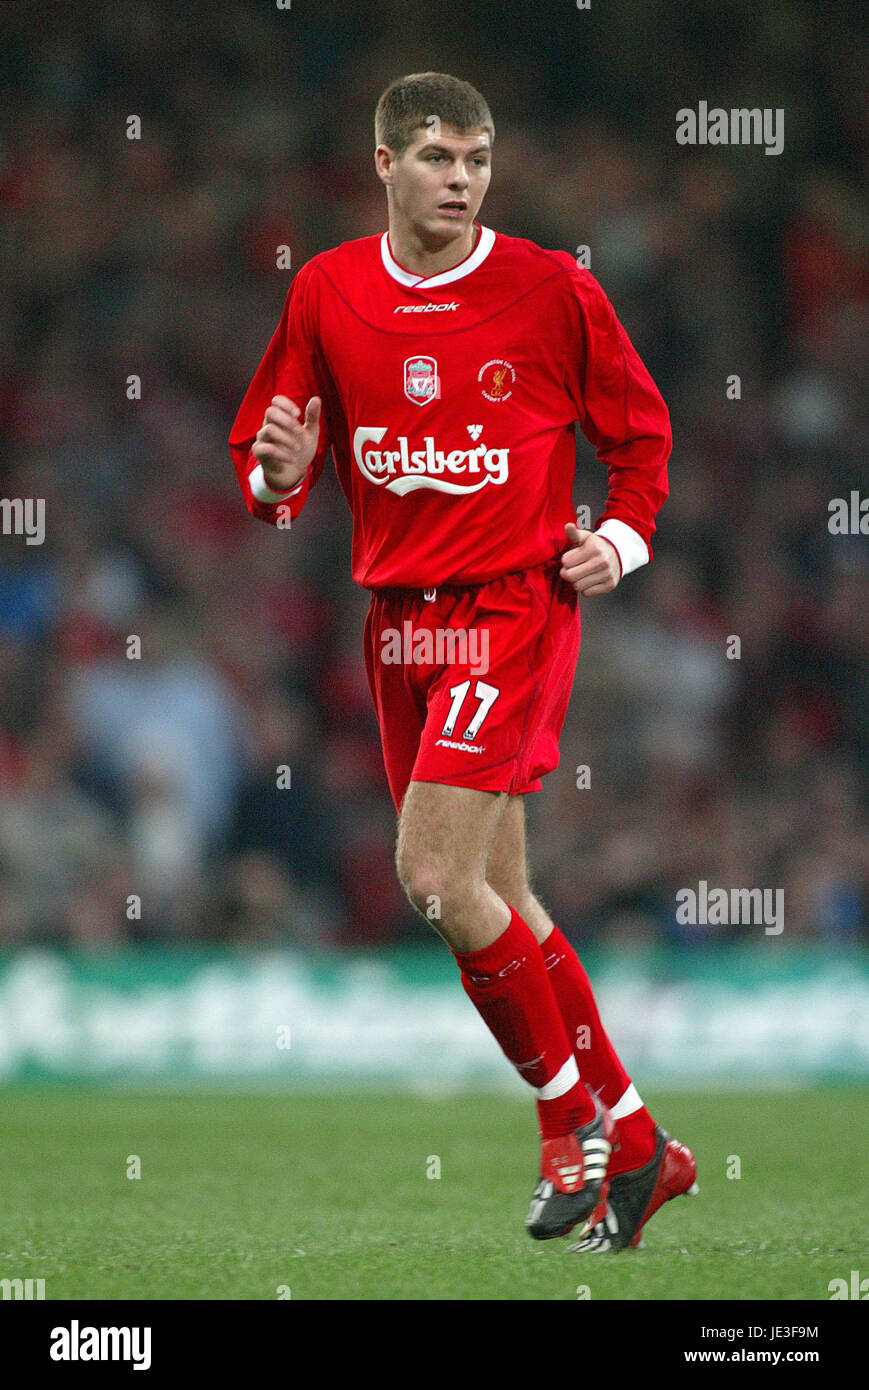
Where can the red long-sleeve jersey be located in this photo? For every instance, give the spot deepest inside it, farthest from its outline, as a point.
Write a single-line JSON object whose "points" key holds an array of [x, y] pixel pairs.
{"points": [[449, 404]]}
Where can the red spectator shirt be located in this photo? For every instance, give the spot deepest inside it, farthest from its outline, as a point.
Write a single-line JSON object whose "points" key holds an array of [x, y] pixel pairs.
{"points": [[449, 404]]}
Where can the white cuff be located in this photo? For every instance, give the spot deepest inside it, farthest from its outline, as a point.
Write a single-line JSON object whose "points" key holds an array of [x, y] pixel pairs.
{"points": [[627, 1104], [261, 490], [632, 549], [563, 1080]]}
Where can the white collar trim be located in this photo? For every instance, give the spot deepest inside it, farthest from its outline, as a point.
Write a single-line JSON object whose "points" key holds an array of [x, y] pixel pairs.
{"points": [[446, 277]]}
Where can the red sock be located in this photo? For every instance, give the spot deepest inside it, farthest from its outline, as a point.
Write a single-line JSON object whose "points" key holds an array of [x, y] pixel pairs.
{"points": [[508, 984], [601, 1068]]}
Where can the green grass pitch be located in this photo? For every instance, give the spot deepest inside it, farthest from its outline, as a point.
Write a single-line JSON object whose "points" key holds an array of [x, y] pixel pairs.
{"points": [[328, 1196]]}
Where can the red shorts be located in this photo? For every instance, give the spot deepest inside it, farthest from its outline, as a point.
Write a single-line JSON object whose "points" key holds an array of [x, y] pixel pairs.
{"points": [[471, 685]]}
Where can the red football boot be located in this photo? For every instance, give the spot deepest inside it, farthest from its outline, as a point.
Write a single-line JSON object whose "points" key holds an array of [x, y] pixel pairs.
{"points": [[634, 1197], [573, 1183]]}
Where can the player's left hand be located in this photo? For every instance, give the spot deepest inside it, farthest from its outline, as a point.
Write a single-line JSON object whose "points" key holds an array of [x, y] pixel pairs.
{"points": [[592, 564]]}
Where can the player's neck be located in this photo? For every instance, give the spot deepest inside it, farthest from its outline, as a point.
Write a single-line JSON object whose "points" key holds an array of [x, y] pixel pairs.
{"points": [[413, 255]]}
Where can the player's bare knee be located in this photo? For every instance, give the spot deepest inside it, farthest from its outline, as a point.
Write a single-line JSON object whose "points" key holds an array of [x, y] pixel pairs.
{"points": [[438, 890], [429, 889], [421, 876]]}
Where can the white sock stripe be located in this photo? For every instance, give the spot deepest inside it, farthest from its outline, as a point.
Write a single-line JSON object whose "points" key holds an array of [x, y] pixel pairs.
{"points": [[564, 1078], [627, 1104]]}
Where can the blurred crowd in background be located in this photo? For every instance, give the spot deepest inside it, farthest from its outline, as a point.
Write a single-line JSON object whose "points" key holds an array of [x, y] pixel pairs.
{"points": [[139, 795]]}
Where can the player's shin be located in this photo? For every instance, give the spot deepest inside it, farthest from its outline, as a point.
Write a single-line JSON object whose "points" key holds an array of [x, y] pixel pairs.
{"points": [[600, 1064], [508, 984]]}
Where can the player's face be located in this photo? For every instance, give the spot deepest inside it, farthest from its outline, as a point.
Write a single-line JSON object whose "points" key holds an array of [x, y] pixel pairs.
{"points": [[439, 182]]}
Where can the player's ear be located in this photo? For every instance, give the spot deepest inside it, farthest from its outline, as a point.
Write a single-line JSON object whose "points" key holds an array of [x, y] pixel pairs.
{"points": [[383, 163]]}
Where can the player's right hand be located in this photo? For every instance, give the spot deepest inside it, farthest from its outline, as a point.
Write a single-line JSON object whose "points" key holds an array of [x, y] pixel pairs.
{"points": [[286, 444]]}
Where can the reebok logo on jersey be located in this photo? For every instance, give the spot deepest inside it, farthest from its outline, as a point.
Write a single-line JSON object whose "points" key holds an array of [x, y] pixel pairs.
{"points": [[404, 470], [460, 745], [425, 308]]}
